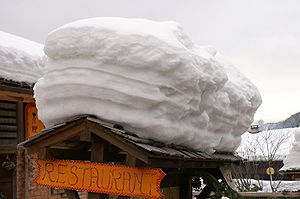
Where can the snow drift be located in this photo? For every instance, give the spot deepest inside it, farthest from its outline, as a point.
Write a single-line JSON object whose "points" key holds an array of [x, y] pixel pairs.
{"points": [[292, 161], [20, 59], [148, 77]]}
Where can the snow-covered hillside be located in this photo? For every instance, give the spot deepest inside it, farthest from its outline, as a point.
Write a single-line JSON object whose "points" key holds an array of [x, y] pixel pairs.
{"points": [[148, 77], [21, 60]]}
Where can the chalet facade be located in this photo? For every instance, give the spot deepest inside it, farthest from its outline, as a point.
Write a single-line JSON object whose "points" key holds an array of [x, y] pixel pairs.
{"points": [[15, 100]]}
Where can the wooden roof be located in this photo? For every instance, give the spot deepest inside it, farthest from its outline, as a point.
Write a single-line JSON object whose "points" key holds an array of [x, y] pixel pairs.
{"points": [[73, 133], [16, 91]]}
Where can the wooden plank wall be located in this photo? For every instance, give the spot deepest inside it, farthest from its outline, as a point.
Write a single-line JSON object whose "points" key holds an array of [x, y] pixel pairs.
{"points": [[8, 123]]}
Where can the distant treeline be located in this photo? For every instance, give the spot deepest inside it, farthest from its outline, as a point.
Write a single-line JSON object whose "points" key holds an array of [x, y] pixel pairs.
{"points": [[291, 122]]}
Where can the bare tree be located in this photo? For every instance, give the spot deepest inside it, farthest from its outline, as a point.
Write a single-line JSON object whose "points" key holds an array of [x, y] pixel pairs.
{"points": [[261, 151]]}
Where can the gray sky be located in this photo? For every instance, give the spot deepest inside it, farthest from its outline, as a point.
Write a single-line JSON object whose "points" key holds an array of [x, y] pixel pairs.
{"points": [[261, 37]]}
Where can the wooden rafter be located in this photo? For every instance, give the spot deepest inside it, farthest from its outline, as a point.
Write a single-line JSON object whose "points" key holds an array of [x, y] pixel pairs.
{"points": [[119, 142], [50, 139], [16, 97]]}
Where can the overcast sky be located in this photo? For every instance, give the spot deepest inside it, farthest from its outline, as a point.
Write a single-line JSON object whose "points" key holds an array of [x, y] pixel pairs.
{"points": [[260, 37]]}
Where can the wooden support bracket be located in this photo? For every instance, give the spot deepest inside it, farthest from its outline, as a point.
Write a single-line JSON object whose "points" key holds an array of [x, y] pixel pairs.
{"points": [[226, 172], [71, 194]]}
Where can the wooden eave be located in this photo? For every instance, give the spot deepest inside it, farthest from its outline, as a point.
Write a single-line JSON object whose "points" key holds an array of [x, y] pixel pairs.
{"points": [[291, 172], [16, 91], [149, 152]]}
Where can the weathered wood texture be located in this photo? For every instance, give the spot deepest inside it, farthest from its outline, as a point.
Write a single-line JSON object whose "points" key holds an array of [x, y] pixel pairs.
{"points": [[147, 152], [170, 192], [46, 139], [185, 190], [71, 194], [97, 155], [15, 91], [20, 122], [8, 126]]}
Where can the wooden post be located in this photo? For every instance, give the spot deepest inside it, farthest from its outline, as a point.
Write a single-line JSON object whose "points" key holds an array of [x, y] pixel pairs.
{"points": [[130, 161], [97, 155], [205, 192], [45, 153], [20, 122], [185, 187], [71, 194]]}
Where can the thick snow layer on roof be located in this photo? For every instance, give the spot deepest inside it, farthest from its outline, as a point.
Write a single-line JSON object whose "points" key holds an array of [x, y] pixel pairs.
{"points": [[148, 77], [267, 145], [20, 59], [292, 161]]}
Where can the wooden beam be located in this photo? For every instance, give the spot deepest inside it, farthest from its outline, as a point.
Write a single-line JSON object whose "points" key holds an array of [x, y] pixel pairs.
{"points": [[20, 122], [97, 149], [130, 160], [8, 113], [16, 97], [71, 194], [8, 121], [47, 153], [185, 191], [66, 154], [85, 136], [8, 135], [47, 139], [8, 105], [119, 142], [16, 88], [226, 172], [8, 142], [181, 163], [172, 179], [97, 155], [8, 149]]}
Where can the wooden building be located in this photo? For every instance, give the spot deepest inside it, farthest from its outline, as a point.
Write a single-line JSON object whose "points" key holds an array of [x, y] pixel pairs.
{"points": [[18, 121], [87, 138], [14, 96]]}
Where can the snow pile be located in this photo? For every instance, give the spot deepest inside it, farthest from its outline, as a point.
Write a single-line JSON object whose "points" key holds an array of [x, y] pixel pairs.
{"points": [[148, 77], [267, 145], [20, 59], [292, 161]]}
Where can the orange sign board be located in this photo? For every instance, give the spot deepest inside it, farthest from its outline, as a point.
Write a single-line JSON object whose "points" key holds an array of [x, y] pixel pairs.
{"points": [[33, 124], [100, 178]]}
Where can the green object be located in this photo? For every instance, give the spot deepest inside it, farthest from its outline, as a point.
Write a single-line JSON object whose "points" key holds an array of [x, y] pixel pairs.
{"points": [[219, 187], [2, 196]]}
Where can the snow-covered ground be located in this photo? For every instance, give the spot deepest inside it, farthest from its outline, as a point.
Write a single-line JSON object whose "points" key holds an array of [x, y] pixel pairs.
{"points": [[21, 60], [148, 77], [267, 145], [282, 185], [292, 161]]}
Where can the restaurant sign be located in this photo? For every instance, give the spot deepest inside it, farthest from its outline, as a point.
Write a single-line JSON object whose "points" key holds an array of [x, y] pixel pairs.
{"points": [[100, 178]]}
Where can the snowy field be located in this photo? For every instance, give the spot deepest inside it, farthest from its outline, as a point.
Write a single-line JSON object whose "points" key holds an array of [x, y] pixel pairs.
{"points": [[288, 186]]}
